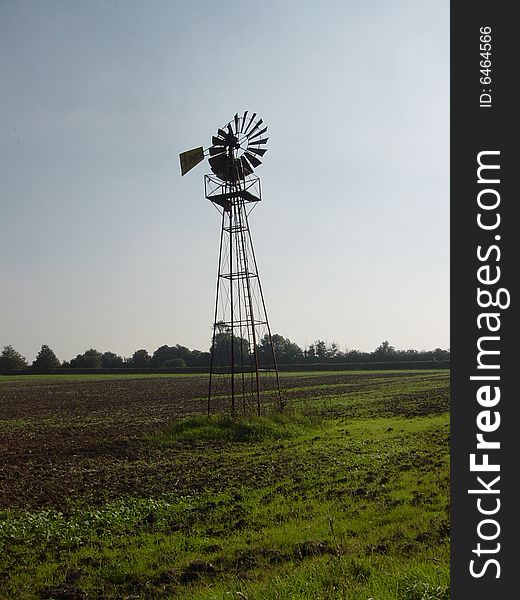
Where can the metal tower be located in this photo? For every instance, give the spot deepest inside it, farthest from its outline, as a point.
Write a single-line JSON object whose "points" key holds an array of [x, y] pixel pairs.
{"points": [[243, 369]]}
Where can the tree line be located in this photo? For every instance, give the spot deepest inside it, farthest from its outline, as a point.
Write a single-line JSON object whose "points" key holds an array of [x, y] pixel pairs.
{"points": [[287, 353]]}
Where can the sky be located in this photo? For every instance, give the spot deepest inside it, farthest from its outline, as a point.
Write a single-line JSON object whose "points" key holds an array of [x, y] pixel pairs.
{"points": [[104, 245]]}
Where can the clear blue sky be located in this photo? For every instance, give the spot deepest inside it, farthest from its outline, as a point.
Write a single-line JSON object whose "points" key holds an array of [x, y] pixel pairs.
{"points": [[105, 246]]}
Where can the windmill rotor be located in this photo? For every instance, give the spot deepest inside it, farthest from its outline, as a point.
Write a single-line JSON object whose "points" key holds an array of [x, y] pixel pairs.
{"points": [[236, 148]]}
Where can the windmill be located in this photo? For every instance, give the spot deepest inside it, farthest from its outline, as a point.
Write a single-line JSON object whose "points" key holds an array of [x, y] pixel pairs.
{"points": [[243, 368]]}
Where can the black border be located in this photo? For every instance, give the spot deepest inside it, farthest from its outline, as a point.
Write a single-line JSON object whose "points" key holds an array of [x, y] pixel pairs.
{"points": [[474, 129]]}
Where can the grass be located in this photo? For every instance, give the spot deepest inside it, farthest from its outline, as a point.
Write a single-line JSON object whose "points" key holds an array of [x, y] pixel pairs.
{"points": [[345, 497], [225, 428]]}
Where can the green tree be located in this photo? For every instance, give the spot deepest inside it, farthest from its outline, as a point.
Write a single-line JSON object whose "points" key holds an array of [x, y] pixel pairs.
{"points": [[110, 360], [46, 359], [90, 359], [140, 358], [355, 356], [320, 349], [223, 342], [199, 359], [384, 351], [333, 350], [12, 359], [164, 353], [440, 354], [286, 352]]}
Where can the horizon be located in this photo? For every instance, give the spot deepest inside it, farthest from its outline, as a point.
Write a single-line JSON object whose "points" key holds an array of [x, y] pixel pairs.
{"points": [[341, 350]]}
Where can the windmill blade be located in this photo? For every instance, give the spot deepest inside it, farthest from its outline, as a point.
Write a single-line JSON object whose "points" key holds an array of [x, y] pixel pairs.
{"points": [[250, 121], [236, 123], [230, 129], [217, 141], [260, 121], [222, 133], [257, 134], [259, 151], [252, 159], [243, 121], [248, 169], [255, 142], [216, 150], [190, 159]]}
